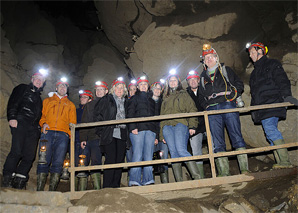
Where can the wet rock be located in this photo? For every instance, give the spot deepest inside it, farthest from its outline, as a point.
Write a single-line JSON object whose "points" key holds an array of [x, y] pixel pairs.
{"points": [[260, 201]]}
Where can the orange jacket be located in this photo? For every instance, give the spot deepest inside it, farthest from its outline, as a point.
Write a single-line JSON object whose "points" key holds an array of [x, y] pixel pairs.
{"points": [[58, 113]]}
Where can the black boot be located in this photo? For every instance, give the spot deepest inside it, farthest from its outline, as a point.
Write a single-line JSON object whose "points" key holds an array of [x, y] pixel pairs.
{"points": [[41, 181], [54, 180], [19, 182], [7, 181]]}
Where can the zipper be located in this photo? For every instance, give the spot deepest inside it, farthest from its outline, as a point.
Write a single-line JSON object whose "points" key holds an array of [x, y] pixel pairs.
{"points": [[57, 113]]}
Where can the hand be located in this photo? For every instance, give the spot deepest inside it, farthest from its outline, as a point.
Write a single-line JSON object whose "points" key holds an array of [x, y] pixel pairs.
{"points": [[44, 127], [163, 140], [292, 100], [135, 131], [83, 144], [155, 142], [13, 123], [192, 131]]}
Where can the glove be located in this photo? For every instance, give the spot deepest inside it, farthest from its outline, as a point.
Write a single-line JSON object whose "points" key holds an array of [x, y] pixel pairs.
{"points": [[292, 100]]}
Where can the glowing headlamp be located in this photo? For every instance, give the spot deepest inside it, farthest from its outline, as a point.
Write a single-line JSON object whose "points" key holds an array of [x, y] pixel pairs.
{"points": [[172, 71], [192, 72], [63, 79], [162, 81], [81, 91], [120, 79], [98, 83], [42, 71], [248, 45], [143, 78], [133, 81], [206, 46]]}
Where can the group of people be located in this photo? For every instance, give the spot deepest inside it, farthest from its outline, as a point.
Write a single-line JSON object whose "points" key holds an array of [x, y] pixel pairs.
{"points": [[216, 88]]}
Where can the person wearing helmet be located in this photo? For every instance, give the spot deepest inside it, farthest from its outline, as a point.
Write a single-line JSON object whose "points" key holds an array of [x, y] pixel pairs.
{"points": [[57, 113], [132, 88], [90, 140], [175, 132], [196, 140], [219, 88], [269, 84], [113, 138], [142, 134], [23, 114]]}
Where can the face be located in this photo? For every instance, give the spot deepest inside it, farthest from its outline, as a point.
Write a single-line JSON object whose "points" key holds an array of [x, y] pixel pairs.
{"points": [[173, 82], [119, 90], [62, 89], [84, 99], [210, 60], [132, 90], [100, 92], [193, 83], [37, 81], [143, 86], [157, 90], [253, 54]]}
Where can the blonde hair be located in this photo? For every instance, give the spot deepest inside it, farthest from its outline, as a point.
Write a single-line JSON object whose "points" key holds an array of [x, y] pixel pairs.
{"points": [[112, 90]]}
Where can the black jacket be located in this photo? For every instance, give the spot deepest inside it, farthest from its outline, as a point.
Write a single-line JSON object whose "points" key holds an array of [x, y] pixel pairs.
{"points": [[104, 110], [201, 127], [207, 87], [25, 104], [268, 84], [88, 133], [142, 105]]}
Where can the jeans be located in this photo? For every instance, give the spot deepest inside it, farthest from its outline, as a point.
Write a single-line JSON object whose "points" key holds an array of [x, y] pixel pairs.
{"points": [[176, 138], [196, 145], [142, 149], [270, 129], [23, 149], [231, 121], [164, 148], [56, 148]]}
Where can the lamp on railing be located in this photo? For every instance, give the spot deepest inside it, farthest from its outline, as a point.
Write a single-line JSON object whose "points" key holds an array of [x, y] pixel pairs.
{"points": [[42, 152], [65, 173], [81, 164]]}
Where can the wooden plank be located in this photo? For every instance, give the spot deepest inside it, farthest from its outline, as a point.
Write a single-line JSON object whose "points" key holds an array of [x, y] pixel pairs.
{"points": [[171, 160], [210, 146], [72, 155]]}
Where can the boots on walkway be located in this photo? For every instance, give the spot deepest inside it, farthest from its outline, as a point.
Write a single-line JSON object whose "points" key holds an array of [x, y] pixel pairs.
{"points": [[7, 181], [83, 183], [41, 181], [243, 161], [201, 170], [54, 181], [96, 180], [193, 169], [177, 170], [19, 182], [164, 176], [283, 156], [222, 165]]}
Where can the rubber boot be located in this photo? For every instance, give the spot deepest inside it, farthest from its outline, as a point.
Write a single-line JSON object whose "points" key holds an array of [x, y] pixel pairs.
{"points": [[164, 176], [193, 169], [276, 156], [76, 183], [41, 181], [177, 170], [19, 182], [283, 156], [54, 181], [96, 180], [7, 181], [201, 170], [222, 165], [243, 161], [82, 184]]}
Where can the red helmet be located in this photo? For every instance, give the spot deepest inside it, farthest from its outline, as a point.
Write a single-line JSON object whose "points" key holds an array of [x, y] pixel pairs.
{"points": [[142, 79], [207, 49], [62, 80], [258, 45], [101, 84], [118, 81], [132, 83], [86, 92], [192, 74]]}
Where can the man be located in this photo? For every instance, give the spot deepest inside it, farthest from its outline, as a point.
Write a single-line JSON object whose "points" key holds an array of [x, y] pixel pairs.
{"points": [[219, 87], [269, 84], [57, 113], [196, 140], [90, 140], [23, 114]]}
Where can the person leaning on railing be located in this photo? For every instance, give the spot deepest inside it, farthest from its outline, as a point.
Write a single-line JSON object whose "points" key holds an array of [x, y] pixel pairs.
{"points": [[269, 84], [175, 132]]}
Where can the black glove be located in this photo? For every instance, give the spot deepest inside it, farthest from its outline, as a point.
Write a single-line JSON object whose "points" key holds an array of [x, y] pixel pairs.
{"points": [[292, 100]]}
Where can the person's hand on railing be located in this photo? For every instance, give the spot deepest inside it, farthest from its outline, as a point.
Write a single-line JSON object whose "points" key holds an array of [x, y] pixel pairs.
{"points": [[192, 131], [83, 144], [135, 131], [292, 100]]}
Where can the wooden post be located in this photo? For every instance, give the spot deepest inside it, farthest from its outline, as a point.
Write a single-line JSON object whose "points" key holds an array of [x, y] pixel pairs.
{"points": [[72, 157], [210, 146]]}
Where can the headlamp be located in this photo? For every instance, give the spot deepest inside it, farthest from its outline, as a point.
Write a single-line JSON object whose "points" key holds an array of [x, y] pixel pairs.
{"points": [[120, 79], [133, 81], [162, 81], [172, 71], [42, 71], [98, 83], [206, 46], [248, 45], [81, 91], [192, 72], [143, 78], [63, 79]]}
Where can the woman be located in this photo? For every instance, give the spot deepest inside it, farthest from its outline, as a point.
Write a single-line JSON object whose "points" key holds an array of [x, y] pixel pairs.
{"points": [[142, 134], [175, 132], [112, 137]]}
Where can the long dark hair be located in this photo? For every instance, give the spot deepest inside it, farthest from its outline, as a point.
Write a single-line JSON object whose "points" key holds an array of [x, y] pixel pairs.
{"points": [[167, 86]]}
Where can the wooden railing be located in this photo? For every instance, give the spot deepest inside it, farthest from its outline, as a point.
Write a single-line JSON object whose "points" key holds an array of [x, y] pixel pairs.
{"points": [[209, 156]]}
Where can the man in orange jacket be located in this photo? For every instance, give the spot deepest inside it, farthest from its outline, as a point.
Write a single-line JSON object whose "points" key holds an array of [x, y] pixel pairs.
{"points": [[57, 113]]}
